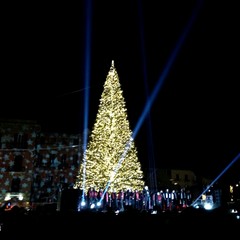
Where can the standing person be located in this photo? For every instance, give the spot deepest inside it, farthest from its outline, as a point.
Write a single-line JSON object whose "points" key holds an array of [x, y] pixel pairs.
{"points": [[92, 196], [182, 199], [136, 200], [173, 203], [167, 200], [146, 199], [159, 201], [114, 200], [121, 200]]}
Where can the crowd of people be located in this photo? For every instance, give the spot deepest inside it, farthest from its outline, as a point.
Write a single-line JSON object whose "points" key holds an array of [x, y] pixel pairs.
{"points": [[163, 200]]}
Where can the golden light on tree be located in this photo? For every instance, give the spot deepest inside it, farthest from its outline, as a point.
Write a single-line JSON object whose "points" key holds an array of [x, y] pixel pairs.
{"points": [[107, 143]]}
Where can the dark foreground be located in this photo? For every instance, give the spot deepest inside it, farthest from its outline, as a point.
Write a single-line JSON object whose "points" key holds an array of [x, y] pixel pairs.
{"points": [[187, 224]]}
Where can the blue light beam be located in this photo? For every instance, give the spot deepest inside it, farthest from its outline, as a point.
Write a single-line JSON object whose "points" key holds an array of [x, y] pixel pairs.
{"points": [[87, 81], [225, 169], [152, 172], [166, 70]]}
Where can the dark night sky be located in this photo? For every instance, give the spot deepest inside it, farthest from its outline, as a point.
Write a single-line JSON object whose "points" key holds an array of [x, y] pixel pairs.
{"points": [[195, 116]]}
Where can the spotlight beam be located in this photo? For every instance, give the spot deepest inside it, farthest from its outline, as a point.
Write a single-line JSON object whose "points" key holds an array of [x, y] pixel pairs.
{"points": [[166, 70], [87, 80], [224, 170]]}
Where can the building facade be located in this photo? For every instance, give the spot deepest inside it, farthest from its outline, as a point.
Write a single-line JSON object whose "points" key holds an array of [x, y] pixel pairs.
{"points": [[35, 167]]}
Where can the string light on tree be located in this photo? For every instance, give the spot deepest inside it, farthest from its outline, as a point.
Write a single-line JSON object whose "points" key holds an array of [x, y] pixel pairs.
{"points": [[111, 156]]}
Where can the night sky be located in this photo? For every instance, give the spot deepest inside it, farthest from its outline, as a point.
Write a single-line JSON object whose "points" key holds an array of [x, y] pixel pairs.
{"points": [[194, 119]]}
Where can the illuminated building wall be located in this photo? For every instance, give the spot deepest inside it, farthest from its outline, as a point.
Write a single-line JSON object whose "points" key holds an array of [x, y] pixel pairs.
{"points": [[35, 164]]}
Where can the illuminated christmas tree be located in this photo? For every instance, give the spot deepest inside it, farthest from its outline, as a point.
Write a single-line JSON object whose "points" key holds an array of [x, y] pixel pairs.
{"points": [[110, 160]]}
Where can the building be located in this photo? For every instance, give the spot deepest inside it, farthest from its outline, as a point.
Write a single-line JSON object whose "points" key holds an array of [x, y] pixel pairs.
{"points": [[35, 167]]}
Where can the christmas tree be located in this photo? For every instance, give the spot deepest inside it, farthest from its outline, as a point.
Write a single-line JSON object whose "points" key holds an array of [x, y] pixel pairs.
{"points": [[110, 160]]}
